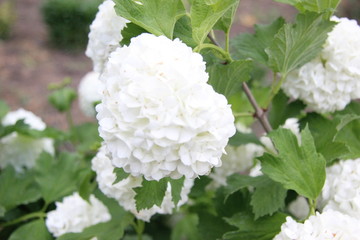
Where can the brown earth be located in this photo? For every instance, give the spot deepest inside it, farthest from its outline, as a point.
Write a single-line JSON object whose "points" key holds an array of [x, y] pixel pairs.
{"points": [[28, 64]]}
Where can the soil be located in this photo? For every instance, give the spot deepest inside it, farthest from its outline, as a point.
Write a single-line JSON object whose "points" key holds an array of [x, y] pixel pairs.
{"points": [[28, 64]]}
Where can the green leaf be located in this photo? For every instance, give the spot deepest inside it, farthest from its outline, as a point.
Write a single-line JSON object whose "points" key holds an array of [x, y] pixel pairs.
{"points": [[299, 168], [87, 137], [244, 138], [282, 109], [57, 177], [150, 193], [32, 230], [296, 44], [120, 174], [87, 183], [186, 228], [155, 16], [212, 227], [131, 30], [227, 19], [311, 5], [205, 14], [349, 134], [4, 109], [227, 79], [235, 182], [176, 187], [183, 31], [264, 228], [17, 188], [62, 99], [253, 45]]}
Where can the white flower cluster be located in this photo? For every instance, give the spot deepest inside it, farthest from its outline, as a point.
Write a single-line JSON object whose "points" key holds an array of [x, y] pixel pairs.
{"points": [[90, 88], [341, 191], [22, 151], [105, 34], [329, 225], [330, 81], [158, 115], [74, 214], [124, 193]]}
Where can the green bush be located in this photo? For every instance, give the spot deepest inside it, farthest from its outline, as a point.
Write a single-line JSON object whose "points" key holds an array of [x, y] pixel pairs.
{"points": [[7, 18], [68, 21]]}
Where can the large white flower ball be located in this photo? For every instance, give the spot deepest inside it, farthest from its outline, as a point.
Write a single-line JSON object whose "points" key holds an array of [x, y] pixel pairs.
{"points": [[90, 89], [330, 81], [159, 117], [329, 225], [105, 35], [21, 151], [124, 193], [74, 214], [341, 191]]}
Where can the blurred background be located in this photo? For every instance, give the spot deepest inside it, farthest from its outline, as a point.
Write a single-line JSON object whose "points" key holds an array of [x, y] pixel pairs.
{"points": [[43, 42]]}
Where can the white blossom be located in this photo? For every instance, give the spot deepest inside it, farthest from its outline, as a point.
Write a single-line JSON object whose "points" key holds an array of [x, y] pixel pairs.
{"points": [[74, 214], [105, 35], [19, 150], [124, 193], [330, 81], [329, 225], [158, 115], [341, 191], [90, 89]]}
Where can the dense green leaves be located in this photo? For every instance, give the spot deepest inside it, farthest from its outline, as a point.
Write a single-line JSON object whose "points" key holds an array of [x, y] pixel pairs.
{"points": [[17, 188], [156, 16], [62, 98], [299, 168], [296, 44], [227, 78], [205, 14], [32, 230]]}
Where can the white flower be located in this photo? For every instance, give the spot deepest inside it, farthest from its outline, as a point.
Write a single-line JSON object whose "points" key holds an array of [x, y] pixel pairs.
{"points": [[158, 116], [105, 35], [330, 81], [124, 193], [329, 225], [22, 151], [90, 89], [299, 207], [74, 214], [341, 191]]}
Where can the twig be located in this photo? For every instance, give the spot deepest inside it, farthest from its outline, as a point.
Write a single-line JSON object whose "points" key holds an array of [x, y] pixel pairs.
{"points": [[259, 113]]}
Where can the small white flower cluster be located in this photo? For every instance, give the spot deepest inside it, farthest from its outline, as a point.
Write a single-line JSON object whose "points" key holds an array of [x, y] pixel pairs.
{"points": [[105, 34], [124, 193], [159, 117], [22, 151], [90, 89], [74, 214], [330, 81], [341, 191], [329, 225]]}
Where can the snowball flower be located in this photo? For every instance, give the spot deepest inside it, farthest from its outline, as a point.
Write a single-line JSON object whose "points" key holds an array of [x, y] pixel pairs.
{"points": [[105, 34], [22, 151], [124, 193], [330, 81], [341, 191], [329, 225], [90, 88], [74, 214], [159, 117]]}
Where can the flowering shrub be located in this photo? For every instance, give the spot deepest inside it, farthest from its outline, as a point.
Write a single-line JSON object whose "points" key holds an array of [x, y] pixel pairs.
{"points": [[163, 158]]}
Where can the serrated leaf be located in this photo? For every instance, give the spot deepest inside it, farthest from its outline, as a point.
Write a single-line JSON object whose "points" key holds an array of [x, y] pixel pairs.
{"points": [[176, 187], [311, 5], [299, 168], [17, 188], [150, 193], [32, 230], [120, 174], [296, 44], [264, 228], [227, 79], [4, 109], [131, 30], [253, 45], [186, 228], [205, 14], [57, 177], [155, 16], [62, 99]]}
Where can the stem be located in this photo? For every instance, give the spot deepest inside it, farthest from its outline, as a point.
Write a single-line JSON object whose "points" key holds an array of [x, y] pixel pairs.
{"points": [[259, 113], [139, 227], [24, 218], [69, 119], [227, 41], [244, 114], [225, 54], [312, 204]]}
